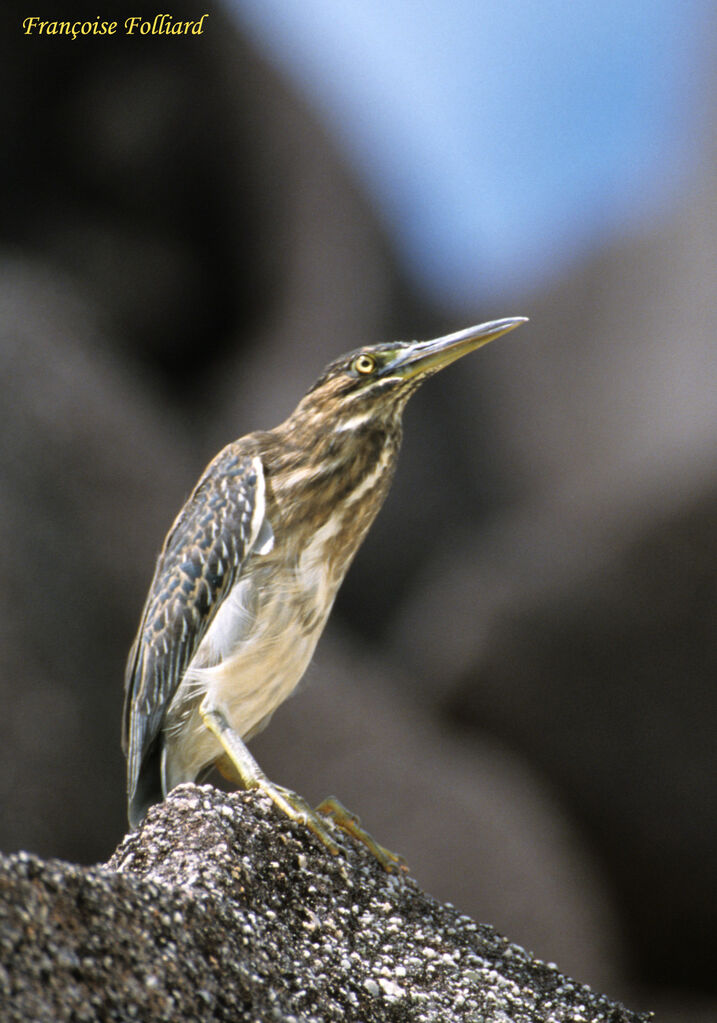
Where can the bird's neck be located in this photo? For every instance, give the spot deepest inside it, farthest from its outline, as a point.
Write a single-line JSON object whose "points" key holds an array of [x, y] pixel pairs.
{"points": [[331, 481]]}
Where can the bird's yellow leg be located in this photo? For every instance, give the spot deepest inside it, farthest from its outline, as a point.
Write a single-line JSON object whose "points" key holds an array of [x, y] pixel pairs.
{"points": [[249, 775]]}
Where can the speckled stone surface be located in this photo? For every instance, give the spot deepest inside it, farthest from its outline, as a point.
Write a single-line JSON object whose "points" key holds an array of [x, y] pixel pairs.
{"points": [[219, 909]]}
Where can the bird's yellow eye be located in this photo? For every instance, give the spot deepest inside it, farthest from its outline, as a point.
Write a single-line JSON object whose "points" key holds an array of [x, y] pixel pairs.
{"points": [[364, 364]]}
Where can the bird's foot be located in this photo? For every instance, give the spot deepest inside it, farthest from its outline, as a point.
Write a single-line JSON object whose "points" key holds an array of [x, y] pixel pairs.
{"points": [[317, 821], [297, 809], [238, 764], [349, 822]]}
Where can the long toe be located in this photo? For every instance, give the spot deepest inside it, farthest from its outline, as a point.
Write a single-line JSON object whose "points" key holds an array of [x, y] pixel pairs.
{"points": [[349, 822], [297, 809]]}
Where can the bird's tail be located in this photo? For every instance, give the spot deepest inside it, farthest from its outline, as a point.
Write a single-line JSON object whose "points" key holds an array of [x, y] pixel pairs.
{"points": [[148, 788]]}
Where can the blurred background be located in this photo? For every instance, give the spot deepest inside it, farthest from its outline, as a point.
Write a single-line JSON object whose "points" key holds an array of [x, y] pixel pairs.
{"points": [[517, 688]]}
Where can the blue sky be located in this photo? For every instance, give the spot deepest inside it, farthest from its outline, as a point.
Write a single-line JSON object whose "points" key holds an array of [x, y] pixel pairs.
{"points": [[499, 141]]}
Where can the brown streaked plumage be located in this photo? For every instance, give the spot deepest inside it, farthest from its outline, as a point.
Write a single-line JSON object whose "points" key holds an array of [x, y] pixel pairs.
{"points": [[250, 568]]}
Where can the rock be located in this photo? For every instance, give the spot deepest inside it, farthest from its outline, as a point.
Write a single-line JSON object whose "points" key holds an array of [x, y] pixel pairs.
{"points": [[217, 909]]}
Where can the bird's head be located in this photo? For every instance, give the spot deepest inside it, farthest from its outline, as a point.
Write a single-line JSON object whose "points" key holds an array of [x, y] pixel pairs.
{"points": [[373, 383]]}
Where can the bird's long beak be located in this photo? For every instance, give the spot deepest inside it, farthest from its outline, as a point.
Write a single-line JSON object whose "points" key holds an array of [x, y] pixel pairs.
{"points": [[424, 357]]}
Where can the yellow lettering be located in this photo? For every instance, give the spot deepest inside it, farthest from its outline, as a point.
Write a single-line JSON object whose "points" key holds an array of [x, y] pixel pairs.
{"points": [[158, 24], [161, 24]]}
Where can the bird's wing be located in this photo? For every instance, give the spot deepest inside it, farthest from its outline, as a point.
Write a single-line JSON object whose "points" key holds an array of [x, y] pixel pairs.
{"points": [[216, 530]]}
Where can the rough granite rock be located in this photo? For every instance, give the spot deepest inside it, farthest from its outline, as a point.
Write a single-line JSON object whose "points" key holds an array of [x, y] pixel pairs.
{"points": [[219, 909]]}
